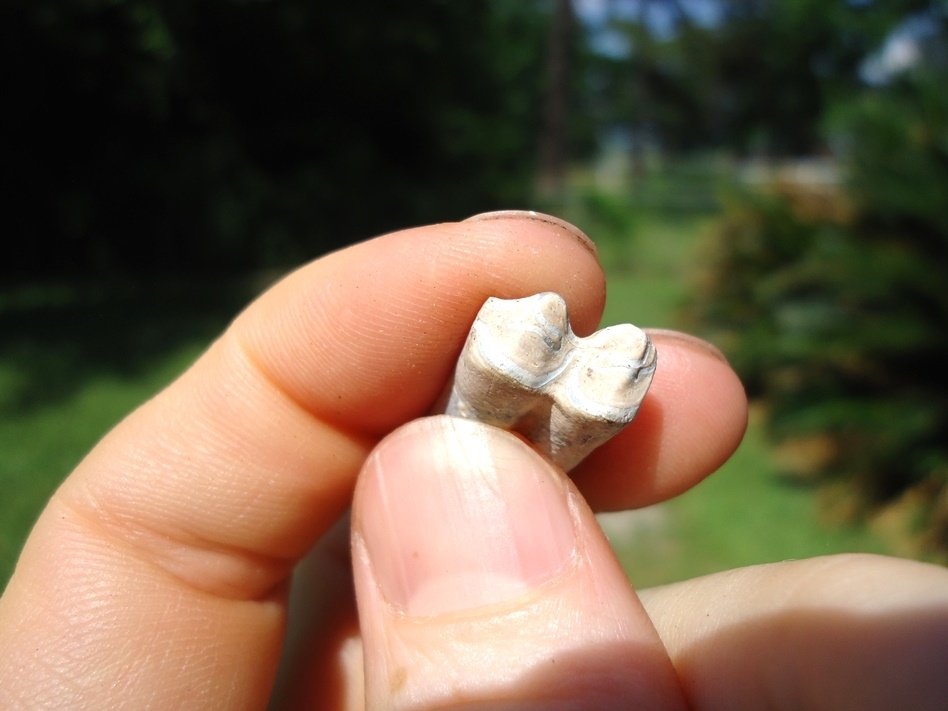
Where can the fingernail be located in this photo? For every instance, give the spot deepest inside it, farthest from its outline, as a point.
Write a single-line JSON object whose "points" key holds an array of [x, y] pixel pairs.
{"points": [[453, 514], [686, 339], [538, 217]]}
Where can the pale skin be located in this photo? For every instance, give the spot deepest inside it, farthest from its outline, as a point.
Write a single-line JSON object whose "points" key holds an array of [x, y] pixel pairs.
{"points": [[159, 575]]}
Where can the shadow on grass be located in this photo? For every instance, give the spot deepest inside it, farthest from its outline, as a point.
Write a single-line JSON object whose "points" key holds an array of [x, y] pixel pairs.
{"points": [[54, 338]]}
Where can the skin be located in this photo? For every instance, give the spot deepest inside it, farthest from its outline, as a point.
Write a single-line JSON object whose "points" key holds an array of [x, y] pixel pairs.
{"points": [[159, 575]]}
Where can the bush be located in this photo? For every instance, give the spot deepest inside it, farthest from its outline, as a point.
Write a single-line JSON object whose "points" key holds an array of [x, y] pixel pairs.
{"points": [[834, 307]]}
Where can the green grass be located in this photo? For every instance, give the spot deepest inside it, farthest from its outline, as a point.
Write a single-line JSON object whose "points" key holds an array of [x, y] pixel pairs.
{"points": [[748, 512], [41, 446], [75, 359], [650, 271]]}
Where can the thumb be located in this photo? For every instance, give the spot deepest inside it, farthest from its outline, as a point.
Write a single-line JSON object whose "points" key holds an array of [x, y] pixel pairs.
{"points": [[482, 577]]}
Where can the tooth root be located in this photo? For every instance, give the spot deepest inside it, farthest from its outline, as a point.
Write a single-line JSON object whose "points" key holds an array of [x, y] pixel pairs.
{"points": [[523, 369]]}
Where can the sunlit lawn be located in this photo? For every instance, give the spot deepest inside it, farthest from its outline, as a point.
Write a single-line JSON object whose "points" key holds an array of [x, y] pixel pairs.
{"points": [[73, 362], [749, 511]]}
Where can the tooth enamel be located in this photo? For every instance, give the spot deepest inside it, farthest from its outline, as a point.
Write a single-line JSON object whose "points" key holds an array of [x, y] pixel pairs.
{"points": [[523, 369]]}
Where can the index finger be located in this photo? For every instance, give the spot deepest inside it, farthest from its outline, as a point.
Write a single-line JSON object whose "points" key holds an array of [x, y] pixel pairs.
{"points": [[157, 574], [263, 437]]}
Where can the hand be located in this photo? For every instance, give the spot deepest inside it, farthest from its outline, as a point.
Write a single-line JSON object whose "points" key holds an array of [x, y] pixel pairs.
{"points": [[159, 574]]}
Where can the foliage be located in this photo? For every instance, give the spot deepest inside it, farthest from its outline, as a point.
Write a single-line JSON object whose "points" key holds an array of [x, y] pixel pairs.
{"points": [[214, 134], [782, 63], [834, 307], [758, 79]]}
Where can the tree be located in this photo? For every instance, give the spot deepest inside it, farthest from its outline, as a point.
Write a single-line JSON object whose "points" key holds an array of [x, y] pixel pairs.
{"points": [[758, 76], [220, 134], [554, 143], [834, 310]]}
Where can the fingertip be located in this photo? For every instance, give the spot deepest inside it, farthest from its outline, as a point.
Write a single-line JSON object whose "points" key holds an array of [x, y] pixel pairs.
{"points": [[477, 565], [390, 315], [537, 238], [686, 340], [698, 386], [691, 421], [448, 511], [532, 215]]}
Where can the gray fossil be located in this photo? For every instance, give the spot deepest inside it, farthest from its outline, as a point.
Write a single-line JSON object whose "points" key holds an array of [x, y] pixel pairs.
{"points": [[523, 369]]}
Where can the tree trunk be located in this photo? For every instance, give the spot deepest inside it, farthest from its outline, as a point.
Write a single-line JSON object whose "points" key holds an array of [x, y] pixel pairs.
{"points": [[554, 141]]}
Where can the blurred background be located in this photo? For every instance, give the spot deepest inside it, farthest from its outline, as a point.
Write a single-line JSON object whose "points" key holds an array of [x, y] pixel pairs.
{"points": [[770, 174]]}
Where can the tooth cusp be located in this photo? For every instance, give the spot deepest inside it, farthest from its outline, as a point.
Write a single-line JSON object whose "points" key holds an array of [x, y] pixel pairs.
{"points": [[523, 369]]}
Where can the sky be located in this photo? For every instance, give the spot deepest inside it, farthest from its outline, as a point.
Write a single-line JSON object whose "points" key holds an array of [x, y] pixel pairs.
{"points": [[899, 52], [659, 13], [660, 16]]}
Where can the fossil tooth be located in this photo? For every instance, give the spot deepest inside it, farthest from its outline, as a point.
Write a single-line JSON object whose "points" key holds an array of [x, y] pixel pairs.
{"points": [[523, 369]]}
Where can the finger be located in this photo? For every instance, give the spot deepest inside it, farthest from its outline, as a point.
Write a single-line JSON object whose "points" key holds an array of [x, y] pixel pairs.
{"points": [[321, 664], [483, 579], [390, 316], [158, 571], [691, 421], [842, 632]]}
